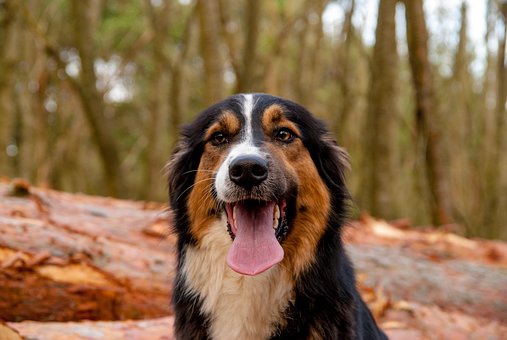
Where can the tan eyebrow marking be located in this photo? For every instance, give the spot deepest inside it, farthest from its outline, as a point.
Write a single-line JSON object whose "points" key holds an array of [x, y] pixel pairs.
{"points": [[227, 122], [273, 117]]}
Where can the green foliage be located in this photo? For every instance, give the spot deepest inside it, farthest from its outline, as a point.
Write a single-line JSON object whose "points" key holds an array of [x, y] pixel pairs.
{"points": [[121, 25]]}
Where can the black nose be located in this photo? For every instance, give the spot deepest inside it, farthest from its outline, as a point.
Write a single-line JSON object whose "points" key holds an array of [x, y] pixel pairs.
{"points": [[248, 171]]}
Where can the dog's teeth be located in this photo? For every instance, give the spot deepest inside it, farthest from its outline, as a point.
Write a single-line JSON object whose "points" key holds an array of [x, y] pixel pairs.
{"points": [[276, 216], [234, 213]]}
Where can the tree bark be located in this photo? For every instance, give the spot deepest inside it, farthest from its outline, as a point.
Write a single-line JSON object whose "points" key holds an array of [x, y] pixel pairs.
{"points": [[301, 32], [495, 186], [345, 79], [463, 123], [312, 74], [427, 114], [157, 128], [91, 100], [273, 58], [7, 64], [76, 258], [247, 75], [176, 89], [382, 113], [211, 51]]}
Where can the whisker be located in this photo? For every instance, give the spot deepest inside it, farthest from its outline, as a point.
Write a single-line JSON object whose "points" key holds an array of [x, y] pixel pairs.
{"points": [[208, 196], [200, 170], [190, 187]]}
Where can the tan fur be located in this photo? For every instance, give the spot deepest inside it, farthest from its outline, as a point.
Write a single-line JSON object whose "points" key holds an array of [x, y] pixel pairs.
{"points": [[271, 115], [201, 204], [313, 202], [241, 307], [227, 123], [273, 119], [315, 334]]}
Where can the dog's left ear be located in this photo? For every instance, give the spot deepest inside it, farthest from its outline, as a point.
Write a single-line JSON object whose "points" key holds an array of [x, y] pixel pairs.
{"points": [[332, 162]]}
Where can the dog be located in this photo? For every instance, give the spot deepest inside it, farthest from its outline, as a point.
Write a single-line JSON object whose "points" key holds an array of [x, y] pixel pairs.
{"points": [[256, 185]]}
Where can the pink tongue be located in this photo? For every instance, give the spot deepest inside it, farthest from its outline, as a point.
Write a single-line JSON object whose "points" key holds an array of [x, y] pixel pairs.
{"points": [[255, 248]]}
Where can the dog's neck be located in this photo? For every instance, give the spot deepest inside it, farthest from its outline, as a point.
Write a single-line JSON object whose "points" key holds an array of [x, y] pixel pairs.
{"points": [[238, 306]]}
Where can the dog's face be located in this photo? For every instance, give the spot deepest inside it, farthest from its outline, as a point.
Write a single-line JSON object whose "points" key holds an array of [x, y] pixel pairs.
{"points": [[268, 169]]}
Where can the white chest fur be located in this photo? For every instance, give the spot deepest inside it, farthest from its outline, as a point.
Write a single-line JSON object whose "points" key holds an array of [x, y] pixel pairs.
{"points": [[240, 307]]}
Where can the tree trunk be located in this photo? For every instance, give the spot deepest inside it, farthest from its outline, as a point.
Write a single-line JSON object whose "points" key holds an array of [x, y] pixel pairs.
{"points": [[158, 140], [427, 113], [247, 73], [463, 123], [176, 89], [345, 79], [383, 110], [211, 51], [313, 66], [494, 180], [272, 60], [91, 100], [7, 64]]}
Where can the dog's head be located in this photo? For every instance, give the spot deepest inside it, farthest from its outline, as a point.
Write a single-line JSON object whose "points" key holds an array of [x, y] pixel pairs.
{"points": [[268, 169]]}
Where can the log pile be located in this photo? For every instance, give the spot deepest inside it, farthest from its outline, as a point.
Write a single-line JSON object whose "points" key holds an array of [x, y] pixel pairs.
{"points": [[72, 257], [80, 267]]}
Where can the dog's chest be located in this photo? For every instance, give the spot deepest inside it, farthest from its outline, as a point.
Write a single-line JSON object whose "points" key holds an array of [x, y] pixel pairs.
{"points": [[239, 307]]}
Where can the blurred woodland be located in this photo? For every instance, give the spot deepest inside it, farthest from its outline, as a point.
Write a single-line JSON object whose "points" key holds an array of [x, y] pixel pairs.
{"points": [[92, 93]]}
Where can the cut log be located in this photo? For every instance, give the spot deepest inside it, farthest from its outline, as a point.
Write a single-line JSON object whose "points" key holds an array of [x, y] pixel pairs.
{"points": [[432, 268], [155, 329], [8, 333], [71, 257], [401, 322]]}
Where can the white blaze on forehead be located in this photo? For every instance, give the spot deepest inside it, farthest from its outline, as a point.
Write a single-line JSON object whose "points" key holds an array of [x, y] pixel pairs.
{"points": [[245, 147], [248, 106]]}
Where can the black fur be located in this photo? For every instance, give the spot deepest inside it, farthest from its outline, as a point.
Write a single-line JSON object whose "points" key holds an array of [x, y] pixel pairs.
{"points": [[326, 299]]}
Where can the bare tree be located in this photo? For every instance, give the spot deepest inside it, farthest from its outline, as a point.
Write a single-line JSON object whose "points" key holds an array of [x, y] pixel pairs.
{"points": [[211, 51], [177, 76], [7, 62], [246, 76], [272, 60], [309, 35], [85, 24], [344, 64], [495, 186], [158, 18], [427, 114], [380, 127]]}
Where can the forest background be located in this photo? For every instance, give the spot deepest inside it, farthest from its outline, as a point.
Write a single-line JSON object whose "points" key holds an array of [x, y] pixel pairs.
{"points": [[92, 93]]}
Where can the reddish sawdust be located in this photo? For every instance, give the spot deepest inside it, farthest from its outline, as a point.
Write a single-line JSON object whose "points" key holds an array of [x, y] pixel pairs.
{"points": [[66, 257]]}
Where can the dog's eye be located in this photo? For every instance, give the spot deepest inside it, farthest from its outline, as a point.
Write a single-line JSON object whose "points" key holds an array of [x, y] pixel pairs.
{"points": [[218, 138], [284, 135]]}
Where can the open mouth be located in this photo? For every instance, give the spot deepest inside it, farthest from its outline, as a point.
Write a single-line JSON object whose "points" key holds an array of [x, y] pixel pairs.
{"points": [[257, 228]]}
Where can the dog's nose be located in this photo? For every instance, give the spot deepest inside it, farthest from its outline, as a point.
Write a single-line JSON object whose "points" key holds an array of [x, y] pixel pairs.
{"points": [[248, 171]]}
